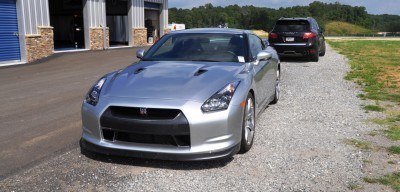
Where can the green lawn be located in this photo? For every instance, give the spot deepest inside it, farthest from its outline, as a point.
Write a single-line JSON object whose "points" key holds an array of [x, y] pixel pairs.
{"points": [[343, 28], [375, 65], [394, 149], [392, 180]]}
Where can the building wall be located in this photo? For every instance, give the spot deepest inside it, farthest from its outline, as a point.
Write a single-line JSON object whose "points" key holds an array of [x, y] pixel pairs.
{"points": [[41, 45], [94, 15], [35, 14], [164, 14], [138, 14], [36, 33]]}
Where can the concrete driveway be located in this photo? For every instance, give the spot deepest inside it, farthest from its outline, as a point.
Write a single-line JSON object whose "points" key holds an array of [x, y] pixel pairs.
{"points": [[40, 104]]}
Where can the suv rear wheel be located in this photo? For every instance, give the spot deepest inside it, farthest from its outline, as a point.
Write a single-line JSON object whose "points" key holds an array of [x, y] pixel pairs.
{"points": [[315, 57], [322, 53]]}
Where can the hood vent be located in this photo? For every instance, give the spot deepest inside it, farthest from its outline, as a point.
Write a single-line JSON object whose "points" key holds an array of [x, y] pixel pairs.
{"points": [[139, 70], [200, 71]]}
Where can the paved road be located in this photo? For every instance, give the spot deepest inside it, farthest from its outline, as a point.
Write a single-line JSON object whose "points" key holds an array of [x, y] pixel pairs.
{"points": [[40, 104], [298, 146]]}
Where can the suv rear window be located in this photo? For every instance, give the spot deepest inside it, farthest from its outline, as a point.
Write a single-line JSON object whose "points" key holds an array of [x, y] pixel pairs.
{"points": [[292, 25]]}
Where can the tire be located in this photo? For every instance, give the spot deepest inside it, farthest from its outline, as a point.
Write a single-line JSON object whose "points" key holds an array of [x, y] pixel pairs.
{"points": [[322, 53], [277, 87], [248, 125], [314, 58]]}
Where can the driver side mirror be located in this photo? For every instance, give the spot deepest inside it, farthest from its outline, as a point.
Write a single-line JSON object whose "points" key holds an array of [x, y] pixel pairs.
{"points": [[140, 53], [263, 55]]}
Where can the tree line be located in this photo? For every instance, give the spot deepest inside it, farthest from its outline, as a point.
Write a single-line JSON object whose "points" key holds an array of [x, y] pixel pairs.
{"points": [[251, 17]]}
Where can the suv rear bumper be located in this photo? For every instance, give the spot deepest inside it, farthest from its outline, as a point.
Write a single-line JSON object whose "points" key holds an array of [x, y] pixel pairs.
{"points": [[295, 49]]}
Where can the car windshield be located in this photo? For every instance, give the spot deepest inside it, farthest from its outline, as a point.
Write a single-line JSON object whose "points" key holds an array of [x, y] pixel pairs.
{"points": [[209, 47], [292, 26]]}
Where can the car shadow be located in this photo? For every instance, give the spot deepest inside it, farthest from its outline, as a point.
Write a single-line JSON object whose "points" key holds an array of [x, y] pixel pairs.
{"points": [[163, 164], [295, 59]]}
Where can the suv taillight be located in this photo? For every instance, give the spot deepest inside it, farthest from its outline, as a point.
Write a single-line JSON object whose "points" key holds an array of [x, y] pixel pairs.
{"points": [[273, 35], [309, 35]]}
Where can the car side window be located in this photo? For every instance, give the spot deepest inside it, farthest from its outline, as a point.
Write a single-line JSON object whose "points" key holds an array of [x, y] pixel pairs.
{"points": [[315, 24], [256, 45], [312, 24]]}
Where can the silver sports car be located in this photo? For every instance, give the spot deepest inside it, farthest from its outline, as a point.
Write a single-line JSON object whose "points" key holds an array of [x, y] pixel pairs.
{"points": [[194, 95]]}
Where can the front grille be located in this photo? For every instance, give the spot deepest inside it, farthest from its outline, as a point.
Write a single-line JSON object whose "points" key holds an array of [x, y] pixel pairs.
{"points": [[171, 140], [158, 126], [151, 113]]}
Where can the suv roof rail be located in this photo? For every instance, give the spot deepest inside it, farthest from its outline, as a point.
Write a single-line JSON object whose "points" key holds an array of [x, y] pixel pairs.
{"points": [[295, 18]]}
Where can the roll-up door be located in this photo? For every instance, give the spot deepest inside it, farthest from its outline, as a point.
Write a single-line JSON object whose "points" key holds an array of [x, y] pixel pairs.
{"points": [[153, 6], [9, 38]]}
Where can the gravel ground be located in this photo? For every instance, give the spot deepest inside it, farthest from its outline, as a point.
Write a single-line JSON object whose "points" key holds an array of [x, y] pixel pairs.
{"points": [[299, 147]]}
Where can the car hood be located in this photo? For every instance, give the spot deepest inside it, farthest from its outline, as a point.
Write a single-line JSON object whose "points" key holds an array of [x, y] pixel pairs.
{"points": [[173, 80]]}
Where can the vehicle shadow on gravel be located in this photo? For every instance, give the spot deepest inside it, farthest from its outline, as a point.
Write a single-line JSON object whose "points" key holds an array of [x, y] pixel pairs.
{"points": [[163, 164], [295, 59]]}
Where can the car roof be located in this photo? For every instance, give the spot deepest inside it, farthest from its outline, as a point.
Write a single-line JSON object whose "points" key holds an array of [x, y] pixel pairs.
{"points": [[295, 18], [214, 30]]}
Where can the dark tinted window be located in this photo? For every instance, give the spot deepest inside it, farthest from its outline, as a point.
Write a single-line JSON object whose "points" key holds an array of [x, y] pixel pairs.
{"points": [[316, 24], [198, 47], [292, 25], [256, 45]]}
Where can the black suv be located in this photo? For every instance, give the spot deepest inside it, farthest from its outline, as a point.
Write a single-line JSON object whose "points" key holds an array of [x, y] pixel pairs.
{"points": [[298, 37]]}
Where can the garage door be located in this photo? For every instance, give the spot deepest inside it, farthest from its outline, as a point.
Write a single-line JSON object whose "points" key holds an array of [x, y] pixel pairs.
{"points": [[9, 40], [154, 6]]}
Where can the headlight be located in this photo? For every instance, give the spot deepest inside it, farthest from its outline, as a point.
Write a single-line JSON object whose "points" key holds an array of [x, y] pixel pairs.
{"points": [[221, 99], [93, 95]]}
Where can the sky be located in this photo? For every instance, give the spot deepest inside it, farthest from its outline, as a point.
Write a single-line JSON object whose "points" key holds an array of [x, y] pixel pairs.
{"points": [[373, 6]]}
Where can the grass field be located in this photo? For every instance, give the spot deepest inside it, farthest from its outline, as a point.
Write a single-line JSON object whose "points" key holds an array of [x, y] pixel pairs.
{"points": [[392, 180], [375, 66], [343, 28], [261, 33]]}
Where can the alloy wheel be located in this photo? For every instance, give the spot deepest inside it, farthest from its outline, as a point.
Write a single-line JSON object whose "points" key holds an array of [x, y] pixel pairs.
{"points": [[249, 121]]}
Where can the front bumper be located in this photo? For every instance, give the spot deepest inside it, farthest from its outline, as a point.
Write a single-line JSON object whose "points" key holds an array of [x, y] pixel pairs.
{"points": [[88, 146], [212, 135]]}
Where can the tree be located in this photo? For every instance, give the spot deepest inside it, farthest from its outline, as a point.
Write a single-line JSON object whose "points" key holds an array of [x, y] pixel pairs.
{"points": [[250, 17]]}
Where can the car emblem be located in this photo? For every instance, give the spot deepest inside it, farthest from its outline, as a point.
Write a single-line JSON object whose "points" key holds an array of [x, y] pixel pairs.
{"points": [[143, 111]]}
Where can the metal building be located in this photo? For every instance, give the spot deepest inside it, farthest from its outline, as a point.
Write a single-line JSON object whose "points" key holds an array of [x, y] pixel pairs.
{"points": [[33, 29]]}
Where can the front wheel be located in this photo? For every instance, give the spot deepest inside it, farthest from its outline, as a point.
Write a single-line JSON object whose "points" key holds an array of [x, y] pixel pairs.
{"points": [[248, 125]]}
